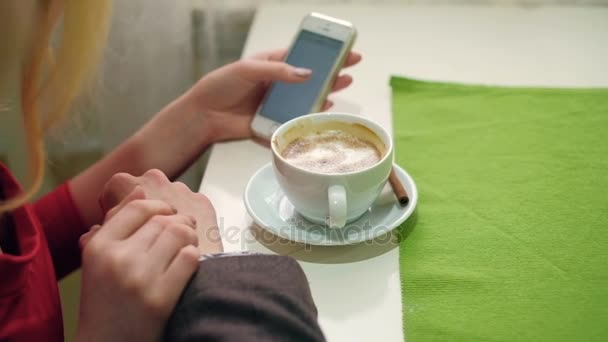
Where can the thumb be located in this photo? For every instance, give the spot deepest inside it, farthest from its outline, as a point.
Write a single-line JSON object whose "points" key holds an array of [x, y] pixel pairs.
{"points": [[257, 70]]}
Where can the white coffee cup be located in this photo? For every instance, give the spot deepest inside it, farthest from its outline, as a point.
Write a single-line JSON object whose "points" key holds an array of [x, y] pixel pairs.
{"points": [[334, 199]]}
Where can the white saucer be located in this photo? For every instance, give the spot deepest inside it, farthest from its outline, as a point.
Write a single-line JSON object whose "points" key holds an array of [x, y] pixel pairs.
{"points": [[271, 210]]}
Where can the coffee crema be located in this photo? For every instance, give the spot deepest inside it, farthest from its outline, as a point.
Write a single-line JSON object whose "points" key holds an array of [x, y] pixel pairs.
{"points": [[331, 151]]}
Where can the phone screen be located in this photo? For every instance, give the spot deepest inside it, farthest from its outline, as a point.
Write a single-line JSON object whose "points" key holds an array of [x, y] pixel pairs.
{"points": [[289, 100]]}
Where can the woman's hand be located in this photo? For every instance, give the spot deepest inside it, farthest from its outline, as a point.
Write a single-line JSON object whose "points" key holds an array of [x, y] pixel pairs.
{"points": [[230, 95], [157, 186], [134, 268]]}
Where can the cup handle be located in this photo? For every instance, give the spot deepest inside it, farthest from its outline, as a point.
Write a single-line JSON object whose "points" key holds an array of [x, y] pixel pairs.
{"points": [[337, 206]]}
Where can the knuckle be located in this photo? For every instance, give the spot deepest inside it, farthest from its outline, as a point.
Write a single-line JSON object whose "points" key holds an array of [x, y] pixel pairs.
{"points": [[112, 264], [109, 195], [181, 232], [155, 304], [117, 181], [92, 249], [190, 256], [245, 67], [179, 186], [156, 174], [135, 283], [121, 177], [116, 261]]}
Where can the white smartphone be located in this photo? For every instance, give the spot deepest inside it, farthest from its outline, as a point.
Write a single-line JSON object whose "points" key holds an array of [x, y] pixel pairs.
{"points": [[322, 45]]}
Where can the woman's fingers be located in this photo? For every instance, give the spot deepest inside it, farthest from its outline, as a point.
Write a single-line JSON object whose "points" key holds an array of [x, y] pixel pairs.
{"points": [[257, 70], [144, 238], [133, 215], [179, 272], [352, 59], [280, 54], [168, 244], [342, 82], [137, 193], [328, 104], [86, 237]]}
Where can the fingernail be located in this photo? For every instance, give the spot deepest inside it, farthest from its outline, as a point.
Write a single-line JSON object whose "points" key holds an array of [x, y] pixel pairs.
{"points": [[174, 209], [302, 72]]}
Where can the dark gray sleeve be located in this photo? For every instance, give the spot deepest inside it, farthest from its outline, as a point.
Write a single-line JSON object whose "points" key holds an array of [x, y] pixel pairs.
{"points": [[246, 298]]}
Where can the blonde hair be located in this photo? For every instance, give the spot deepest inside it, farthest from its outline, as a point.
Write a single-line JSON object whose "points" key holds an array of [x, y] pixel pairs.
{"points": [[52, 78]]}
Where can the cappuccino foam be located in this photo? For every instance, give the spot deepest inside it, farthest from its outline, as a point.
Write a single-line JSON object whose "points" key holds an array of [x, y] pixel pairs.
{"points": [[331, 151]]}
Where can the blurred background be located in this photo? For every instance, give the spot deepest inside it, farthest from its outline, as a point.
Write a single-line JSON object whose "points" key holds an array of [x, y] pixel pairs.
{"points": [[157, 49]]}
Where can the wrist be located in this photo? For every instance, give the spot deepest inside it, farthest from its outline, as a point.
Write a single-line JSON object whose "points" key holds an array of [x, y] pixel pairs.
{"points": [[197, 115]]}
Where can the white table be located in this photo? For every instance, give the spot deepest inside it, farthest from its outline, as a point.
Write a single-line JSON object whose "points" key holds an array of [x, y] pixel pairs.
{"points": [[357, 288]]}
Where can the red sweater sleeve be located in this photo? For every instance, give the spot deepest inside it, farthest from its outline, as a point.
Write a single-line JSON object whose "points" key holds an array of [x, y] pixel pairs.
{"points": [[63, 226]]}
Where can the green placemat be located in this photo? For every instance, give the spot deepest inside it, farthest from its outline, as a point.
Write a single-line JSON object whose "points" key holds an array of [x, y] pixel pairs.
{"points": [[510, 238]]}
